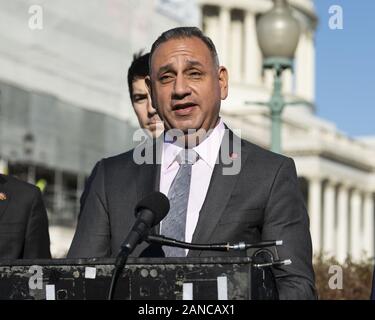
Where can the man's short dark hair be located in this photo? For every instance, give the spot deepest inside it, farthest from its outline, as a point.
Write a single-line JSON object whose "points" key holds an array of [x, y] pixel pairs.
{"points": [[138, 70], [185, 32]]}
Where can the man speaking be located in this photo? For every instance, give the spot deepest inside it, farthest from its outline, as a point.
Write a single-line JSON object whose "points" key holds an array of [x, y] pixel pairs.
{"points": [[260, 201]]}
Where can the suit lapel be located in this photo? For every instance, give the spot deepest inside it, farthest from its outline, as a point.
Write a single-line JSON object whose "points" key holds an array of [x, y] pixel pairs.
{"points": [[219, 191], [148, 176], [149, 173], [4, 192]]}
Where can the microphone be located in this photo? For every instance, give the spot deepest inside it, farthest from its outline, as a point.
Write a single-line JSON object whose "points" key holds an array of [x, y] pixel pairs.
{"points": [[148, 212]]}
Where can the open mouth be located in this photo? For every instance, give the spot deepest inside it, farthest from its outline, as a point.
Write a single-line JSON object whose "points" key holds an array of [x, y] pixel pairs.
{"points": [[183, 108]]}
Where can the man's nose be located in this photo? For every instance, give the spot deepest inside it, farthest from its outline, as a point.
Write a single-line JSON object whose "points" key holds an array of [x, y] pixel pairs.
{"points": [[150, 109], [181, 88]]}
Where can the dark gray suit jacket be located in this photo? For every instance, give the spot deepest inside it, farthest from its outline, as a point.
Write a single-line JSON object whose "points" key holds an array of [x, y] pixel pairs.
{"points": [[262, 202], [23, 221]]}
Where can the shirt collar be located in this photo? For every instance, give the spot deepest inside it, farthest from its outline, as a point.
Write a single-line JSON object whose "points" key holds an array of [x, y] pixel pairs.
{"points": [[170, 151], [207, 150]]}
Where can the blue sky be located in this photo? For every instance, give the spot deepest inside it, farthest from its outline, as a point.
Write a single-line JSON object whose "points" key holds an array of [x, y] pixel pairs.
{"points": [[345, 67]]}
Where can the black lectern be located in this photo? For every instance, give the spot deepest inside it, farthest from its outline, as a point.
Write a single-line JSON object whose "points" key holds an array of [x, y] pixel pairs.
{"points": [[215, 278]]}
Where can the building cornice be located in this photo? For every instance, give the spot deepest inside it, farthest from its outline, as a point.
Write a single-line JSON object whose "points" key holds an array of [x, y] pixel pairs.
{"points": [[259, 6], [331, 156]]}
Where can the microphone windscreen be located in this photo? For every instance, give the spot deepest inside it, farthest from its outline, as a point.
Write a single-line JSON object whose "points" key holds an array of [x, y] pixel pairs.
{"points": [[156, 202]]}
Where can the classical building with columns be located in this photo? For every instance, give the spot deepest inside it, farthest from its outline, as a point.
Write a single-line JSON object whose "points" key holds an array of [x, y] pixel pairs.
{"points": [[64, 105], [336, 172]]}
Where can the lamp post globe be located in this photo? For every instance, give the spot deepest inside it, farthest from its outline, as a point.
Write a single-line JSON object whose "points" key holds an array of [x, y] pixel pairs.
{"points": [[278, 33]]}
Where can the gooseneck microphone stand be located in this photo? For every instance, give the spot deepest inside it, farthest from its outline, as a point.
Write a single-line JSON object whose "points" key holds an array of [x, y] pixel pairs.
{"points": [[241, 246]]}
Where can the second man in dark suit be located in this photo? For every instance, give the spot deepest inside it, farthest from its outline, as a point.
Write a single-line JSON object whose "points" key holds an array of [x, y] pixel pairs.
{"points": [[23, 221]]}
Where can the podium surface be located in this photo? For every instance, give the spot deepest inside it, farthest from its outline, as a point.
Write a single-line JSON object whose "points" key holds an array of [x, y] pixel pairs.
{"points": [[213, 278]]}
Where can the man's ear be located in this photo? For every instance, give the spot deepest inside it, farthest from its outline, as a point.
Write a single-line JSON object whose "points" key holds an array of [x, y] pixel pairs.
{"points": [[223, 81]]}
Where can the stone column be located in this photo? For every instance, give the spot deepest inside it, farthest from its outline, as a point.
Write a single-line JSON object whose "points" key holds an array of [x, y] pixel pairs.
{"points": [[342, 235], [287, 78], [315, 204], [224, 28], [355, 225], [253, 56], [211, 23], [300, 66], [310, 94], [368, 223], [236, 49], [211, 29], [268, 78], [329, 219], [305, 66]]}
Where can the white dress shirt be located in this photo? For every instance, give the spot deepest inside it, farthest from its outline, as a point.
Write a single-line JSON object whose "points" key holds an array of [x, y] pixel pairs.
{"points": [[201, 173]]}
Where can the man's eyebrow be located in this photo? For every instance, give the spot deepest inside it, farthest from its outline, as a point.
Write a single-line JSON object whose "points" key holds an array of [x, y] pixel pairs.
{"points": [[194, 63], [169, 66], [165, 68]]}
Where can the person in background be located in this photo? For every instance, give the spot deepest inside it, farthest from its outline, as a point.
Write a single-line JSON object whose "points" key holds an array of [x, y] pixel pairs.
{"points": [[23, 221], [141, 101]]}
